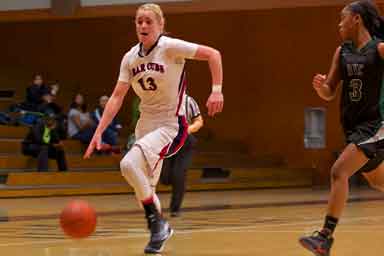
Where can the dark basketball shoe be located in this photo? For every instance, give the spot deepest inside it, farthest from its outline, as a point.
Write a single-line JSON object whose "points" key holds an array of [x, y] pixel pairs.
{"points": [[160, 233], [317, 243]]}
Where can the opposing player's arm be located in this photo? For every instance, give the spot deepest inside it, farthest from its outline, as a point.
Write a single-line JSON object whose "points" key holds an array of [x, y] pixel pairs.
{"points": [[326, 86], [334, 77]]}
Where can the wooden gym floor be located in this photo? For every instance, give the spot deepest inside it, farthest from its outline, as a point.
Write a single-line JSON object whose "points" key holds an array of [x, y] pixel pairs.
{"points": [[255, 222]]}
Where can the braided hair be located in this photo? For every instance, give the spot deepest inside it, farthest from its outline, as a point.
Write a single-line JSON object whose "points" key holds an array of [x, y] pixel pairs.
{"points": [[370, 15]]}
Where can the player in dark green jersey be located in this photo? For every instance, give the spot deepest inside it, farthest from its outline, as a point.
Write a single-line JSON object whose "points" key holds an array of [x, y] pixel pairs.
{"points": [[358, 65]]}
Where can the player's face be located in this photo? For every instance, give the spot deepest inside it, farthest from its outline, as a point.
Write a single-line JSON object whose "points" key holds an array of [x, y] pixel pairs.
{"points": [[148, 27], [348, 25]]}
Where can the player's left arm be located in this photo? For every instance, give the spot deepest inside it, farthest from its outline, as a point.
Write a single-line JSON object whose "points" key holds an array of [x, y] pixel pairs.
{"points": [[187, 50], [215, 102], [213, 57]]}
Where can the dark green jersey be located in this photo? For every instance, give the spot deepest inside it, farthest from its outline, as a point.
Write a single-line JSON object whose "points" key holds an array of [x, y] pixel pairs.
{"points": [[362, 75]]}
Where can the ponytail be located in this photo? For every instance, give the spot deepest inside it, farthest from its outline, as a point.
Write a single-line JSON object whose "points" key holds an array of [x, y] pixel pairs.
{"points": [[369, 13]]}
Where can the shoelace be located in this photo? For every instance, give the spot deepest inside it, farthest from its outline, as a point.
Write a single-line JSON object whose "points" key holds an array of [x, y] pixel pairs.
{"points": [[317, 233]]}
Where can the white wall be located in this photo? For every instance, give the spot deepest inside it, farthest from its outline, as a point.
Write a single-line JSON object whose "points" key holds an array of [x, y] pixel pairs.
{"points": [[9, 5], [113, 2]]}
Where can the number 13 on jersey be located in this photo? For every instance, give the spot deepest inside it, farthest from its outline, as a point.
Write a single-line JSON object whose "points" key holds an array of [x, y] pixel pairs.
{"points": [[148, 84]]}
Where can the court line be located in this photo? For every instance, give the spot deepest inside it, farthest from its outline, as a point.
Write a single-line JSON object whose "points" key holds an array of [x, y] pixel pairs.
{"points": [[208, 230], [200, 208]]}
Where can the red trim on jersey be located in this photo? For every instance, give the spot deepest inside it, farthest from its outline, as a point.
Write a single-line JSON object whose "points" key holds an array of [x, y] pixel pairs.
{"points": [[183, 83], [162, 154], [180, 138], [172, 148]]}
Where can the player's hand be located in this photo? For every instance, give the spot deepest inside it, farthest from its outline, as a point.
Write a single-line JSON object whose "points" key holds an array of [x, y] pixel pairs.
{"points": [[94, 144], [215, 103], [318, 81]]}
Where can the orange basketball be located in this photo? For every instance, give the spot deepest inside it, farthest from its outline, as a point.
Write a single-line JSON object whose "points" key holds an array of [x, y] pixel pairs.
{"points": [[78, 219]]}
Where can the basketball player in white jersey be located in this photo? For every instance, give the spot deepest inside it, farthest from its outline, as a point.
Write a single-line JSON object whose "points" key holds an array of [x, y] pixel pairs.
{"points": [[155, 70]]}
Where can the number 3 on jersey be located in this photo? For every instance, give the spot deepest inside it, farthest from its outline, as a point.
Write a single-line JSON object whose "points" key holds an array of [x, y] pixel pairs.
{"points": [[148, 84], [356, 93]]}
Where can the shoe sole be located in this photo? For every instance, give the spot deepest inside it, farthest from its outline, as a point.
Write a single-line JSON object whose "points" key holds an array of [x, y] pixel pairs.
{"points": [[162, 247], [309, 248]]}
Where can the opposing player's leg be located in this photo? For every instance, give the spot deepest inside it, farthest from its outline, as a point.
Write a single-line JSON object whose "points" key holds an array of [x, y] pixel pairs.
{"points": [[349, 162], [375, 177]]}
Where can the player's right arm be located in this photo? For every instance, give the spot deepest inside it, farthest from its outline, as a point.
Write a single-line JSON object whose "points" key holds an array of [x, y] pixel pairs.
{"points": [[326, 85], [112, 107]]}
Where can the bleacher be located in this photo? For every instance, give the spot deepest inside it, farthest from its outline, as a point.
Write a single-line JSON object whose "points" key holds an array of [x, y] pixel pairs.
{"points": [[216, 165]]}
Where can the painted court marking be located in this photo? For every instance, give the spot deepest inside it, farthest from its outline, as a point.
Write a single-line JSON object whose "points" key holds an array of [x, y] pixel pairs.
{"points": [[251, 228]]}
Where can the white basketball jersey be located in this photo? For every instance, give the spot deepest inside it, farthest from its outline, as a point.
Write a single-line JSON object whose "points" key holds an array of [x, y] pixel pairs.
{"points": [[158, 77]]}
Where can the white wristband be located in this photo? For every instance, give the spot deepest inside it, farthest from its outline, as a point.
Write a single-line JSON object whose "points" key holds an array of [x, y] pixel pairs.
{"points": [[217, 88]]}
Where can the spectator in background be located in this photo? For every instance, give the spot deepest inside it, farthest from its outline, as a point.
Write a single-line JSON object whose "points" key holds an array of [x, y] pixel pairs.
{"points": [[80, 124], [51, 108], [174, 168], [55, 88], [43, 142], [27, 111], [110, 135], [35, 93]]}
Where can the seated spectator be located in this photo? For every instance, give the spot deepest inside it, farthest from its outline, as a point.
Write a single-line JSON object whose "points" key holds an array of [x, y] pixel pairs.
{"points": [[51, 108], [34, 94], [80, 124], [48, 106], [5, 118], [43, 143], [110, 135], [55, 86], [26, 113]]}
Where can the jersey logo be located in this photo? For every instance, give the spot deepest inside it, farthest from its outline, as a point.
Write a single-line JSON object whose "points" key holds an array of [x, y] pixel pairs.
{"points": [[355, 69], [148, 66]]}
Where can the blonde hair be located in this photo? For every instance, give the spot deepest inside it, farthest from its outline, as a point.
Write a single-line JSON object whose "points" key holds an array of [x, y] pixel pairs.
{"points": [[155, 8]]}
